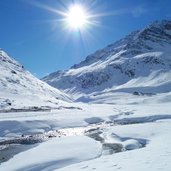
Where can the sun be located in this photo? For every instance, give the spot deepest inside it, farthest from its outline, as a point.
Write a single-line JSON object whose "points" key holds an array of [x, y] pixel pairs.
{"points": [[77, 17], [74, 17]]}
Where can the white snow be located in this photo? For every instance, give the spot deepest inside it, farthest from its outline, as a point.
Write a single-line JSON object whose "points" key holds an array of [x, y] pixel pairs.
{"points": [[155, 156], [133, 112], [139, 62], [147, 124], [20, 89], [55, 153]]}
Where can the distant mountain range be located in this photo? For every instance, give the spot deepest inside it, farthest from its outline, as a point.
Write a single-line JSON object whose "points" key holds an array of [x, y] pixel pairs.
{"points": [[140, 63]]}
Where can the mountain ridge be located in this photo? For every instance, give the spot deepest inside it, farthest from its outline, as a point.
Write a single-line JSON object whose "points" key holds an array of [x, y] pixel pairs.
{"points": [[142, 56], [129, 38]]}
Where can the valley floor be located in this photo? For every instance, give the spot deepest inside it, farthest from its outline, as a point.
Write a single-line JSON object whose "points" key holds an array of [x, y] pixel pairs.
{"points": [[140, 134]]}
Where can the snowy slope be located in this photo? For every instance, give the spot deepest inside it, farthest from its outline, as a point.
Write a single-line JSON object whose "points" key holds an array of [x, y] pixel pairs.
{"points": [[19, 88], [139, 62]]}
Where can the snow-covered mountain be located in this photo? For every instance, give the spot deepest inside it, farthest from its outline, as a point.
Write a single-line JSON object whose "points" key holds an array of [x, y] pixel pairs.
{"points": [[139, 63], [20, 89]]}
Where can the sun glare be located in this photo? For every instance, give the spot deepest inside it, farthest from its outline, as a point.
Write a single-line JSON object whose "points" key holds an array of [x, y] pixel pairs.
{"points": [[77, 17], [73, 17]]}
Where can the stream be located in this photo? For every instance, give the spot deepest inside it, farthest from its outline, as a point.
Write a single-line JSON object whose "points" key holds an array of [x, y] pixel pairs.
{"points": [[11, 147]]}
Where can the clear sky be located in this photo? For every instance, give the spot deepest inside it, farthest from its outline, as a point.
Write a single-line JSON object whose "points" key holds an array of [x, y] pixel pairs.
{"points": [[33, 32]]}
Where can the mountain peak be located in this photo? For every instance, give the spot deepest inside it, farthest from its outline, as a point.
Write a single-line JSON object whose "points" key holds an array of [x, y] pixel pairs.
{"points": [[161, 23], [7, 60], [158, 32], [142, 56]]}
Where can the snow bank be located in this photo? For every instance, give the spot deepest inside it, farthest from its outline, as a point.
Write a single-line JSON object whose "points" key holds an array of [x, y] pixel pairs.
{"points": [[56, 153]]}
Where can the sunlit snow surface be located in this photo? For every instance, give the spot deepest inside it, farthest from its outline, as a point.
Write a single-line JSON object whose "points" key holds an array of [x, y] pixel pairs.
{"points": [[148, 123]]}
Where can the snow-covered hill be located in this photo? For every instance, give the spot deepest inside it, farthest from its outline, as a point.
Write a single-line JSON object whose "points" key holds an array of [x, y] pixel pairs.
{"points": [[20, 89], [138, 64]]}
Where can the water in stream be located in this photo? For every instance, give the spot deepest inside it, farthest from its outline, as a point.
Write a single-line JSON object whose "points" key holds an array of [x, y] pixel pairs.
{"points": [[15, 146], [10, 150]]}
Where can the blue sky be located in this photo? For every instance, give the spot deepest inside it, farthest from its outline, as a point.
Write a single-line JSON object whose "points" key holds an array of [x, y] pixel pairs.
{"points": [[32, 33]]}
